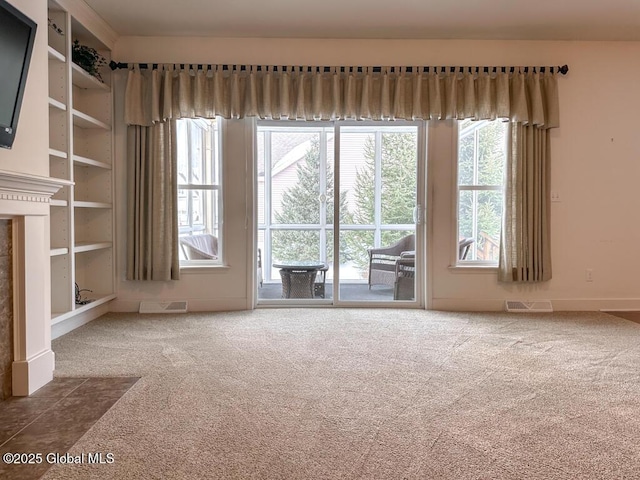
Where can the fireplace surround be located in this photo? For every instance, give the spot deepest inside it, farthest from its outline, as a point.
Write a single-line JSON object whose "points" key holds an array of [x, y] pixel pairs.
{"points": [[24, 200]]}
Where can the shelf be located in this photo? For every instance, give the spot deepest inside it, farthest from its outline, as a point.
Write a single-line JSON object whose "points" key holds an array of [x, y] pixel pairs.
{"points": [[97, 300], [59, 251], [83, 204], [82, 247], [64, 181], [80, 78], [56, 55], [58, 203], [57, 153], [83, 120], [53, 103], [89, 162]]}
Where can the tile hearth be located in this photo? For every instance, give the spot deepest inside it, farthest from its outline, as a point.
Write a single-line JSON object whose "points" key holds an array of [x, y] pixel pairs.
{"points": [[53, 419]]}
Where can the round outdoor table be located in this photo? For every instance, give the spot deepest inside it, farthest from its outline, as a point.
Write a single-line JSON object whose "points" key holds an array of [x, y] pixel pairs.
{"points": [[298, 277]]}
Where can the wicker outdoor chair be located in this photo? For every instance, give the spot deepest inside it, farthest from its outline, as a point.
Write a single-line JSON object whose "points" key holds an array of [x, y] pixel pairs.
{"points": [[404, 285], [382, 261], [203, 246], [464, 246]]}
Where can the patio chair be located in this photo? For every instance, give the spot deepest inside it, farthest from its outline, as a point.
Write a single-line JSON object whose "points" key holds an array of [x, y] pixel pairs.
{"points": [[382, 261], [404, 285], [203, 246], [464, 246]]}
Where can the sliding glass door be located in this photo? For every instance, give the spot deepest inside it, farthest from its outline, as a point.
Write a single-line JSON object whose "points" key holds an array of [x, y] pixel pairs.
{"points": [[365, 176], [295, 208], [378, 178]]}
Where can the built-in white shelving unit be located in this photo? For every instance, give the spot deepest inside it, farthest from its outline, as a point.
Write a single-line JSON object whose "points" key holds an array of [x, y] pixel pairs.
{"points": [[81, 153]]}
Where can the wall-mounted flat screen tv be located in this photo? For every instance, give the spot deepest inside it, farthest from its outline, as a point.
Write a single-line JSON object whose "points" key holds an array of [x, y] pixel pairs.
{"points": [[17, 34]]}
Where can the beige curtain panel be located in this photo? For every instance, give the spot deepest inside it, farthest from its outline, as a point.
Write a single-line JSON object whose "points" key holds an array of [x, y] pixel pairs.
{"points": [[152, 222], [311, 93], [525, 251]]}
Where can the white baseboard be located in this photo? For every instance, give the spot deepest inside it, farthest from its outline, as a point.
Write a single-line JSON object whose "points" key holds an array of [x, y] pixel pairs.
{"points": [[620, 310], [597, 304], [29, 375], [76, 321], [194, 305], [445, 304], [559, 305]]}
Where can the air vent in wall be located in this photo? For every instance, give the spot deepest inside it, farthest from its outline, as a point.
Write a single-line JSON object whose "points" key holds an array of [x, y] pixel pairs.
{"points": [[163, 307], [521, 306]]}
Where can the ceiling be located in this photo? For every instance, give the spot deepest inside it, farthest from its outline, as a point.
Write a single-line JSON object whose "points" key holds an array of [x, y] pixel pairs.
{"points": [[400, 19]]}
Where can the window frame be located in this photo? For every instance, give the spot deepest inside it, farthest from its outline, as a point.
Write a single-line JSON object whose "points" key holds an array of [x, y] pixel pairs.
{"points": [[217, 209]]}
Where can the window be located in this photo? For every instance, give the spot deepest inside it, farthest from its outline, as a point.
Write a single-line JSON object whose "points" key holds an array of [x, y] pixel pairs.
{"points": [[482, 149], [199, 190]]}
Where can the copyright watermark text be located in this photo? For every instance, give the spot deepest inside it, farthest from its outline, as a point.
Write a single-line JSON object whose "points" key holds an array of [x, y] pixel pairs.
{"points": [[53, 458]]}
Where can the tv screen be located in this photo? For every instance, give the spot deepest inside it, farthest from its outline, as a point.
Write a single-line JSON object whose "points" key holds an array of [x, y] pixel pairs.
{"points": [[17, 34]]}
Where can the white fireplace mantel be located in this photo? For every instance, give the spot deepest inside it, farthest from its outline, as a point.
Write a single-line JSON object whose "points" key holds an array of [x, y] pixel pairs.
{"points": [[20, 191], [25, 199]]}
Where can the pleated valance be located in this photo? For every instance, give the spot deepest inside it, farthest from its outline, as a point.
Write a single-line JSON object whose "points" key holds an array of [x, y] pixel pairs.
{"points": [[312, 93]]}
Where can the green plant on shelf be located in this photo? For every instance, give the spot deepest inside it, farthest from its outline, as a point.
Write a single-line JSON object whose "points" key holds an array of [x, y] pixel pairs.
{"points": [[88, 59]]}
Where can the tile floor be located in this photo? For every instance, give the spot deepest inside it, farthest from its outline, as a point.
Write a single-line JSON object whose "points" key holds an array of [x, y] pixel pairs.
{"points": [[53, 419]]}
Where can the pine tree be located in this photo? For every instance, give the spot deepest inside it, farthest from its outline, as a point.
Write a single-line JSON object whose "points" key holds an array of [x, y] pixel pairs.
{"points": [[301, 204], [398, 195]]}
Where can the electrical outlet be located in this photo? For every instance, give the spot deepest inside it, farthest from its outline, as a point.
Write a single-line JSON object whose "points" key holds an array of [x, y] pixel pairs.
{"points": [[589, 275], [555, 197]]}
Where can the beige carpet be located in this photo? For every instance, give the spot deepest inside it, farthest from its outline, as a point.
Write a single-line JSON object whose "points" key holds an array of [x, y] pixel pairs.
{"points": [[346, 393]]}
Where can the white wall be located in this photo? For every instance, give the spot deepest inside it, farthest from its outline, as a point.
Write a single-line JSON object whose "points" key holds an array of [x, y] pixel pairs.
{"points": [[30, 149], [595, 167], [33, 360]]}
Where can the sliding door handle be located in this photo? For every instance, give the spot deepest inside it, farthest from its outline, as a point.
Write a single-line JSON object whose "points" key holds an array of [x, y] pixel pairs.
{"points": [[417, 215]]}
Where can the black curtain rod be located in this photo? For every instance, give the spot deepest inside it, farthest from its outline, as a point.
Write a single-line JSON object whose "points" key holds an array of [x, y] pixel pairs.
{"points": [[564, 69]]}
